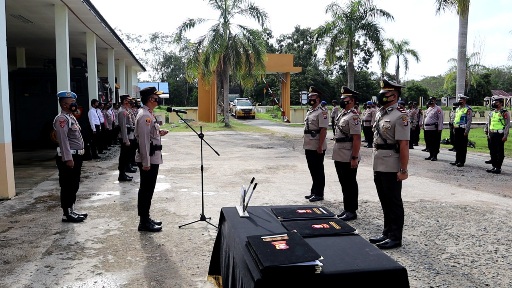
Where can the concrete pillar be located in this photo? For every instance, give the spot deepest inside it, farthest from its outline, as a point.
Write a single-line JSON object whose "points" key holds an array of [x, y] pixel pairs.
{"points": [[285, 96], [92, 66], [129, 81], [111, 74], [121, 76], [7, 185], [62, 48], [20, 57], [207, 100], [135, 82]]}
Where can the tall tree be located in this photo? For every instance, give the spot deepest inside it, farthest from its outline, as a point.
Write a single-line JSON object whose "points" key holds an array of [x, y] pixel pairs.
{"points": [[355, 24], [473, 67], [401, 49], [462, 9], [227, 48]]}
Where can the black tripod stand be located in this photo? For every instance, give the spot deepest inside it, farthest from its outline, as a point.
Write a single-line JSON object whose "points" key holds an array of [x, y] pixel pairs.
{"points": [[202, 217]]}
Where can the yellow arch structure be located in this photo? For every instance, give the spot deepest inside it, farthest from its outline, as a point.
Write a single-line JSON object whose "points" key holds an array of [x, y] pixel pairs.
{"points": [[276, 63]]}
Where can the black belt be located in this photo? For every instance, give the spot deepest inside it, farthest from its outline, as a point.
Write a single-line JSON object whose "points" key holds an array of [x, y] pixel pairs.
{"points": [[312, 131], [367, 120], [435, 124], [344, 139], [385, 146]]}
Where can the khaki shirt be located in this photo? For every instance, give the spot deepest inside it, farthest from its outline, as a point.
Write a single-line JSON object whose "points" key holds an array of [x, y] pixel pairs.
{"points": [[68, 134], [413, 117], [108, 119], [393, 124], [433, 116], [347, 124], [147, 132], [369, 116], [316, 119], [125, 123]]}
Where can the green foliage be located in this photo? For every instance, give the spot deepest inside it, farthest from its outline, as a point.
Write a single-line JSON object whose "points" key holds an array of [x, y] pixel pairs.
{"points": [[415, 91]]}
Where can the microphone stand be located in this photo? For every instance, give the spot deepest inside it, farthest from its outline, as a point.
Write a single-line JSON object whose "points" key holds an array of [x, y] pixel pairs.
{"points": [[202, 217]]}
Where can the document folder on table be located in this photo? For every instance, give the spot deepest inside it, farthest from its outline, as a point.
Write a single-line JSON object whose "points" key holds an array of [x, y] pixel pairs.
{"points": [[303, 212], [319, 227], [284, 253]]}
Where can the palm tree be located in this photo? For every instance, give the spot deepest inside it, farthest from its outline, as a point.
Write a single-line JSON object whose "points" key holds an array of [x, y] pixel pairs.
{"points": [[473, 67], [462, 9], [227, 48], [352, 24], [400, 49], [384, 56]]}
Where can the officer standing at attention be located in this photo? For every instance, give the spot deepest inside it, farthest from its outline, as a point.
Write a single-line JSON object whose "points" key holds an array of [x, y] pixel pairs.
{"points": [[334, 115], [498, 124], [433, 128], [390, 160], [412, 112], [69, 155], [450, 124], [346, 152], [368, 121], [315, 131], [462, 125], [149, 156], [125, 134], [94, 121]]}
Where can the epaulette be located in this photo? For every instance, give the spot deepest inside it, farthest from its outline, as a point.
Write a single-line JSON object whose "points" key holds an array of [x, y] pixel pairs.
{"points": [[402, 110], [354, 111], [323, 108]]}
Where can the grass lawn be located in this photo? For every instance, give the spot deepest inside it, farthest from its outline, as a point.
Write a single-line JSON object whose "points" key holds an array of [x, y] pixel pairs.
{"points": [[476, 135]]}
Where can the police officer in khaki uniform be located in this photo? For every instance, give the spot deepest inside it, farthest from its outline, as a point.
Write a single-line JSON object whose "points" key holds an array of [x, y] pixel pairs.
{"points": [[126, 137], [390, 160], [498, 124], [149, 156], [412, 112], [433, 126], [315, 131], [69, 155], [368, 121], [346, 152], [462, 125]]}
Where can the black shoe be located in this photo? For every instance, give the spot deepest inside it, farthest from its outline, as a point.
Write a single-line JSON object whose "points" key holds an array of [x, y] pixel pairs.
{"points": [[454, 163], [80, 214], [424, 150], [341, 214], [71, 217], [349, 216], [451, 149], [411, 147], [490, 170], [124, 178], [494, 171], [488, 162], [375, 240], [156, 222], [459, 165], [316, 198], [131, 170], [428, 158], [433, 159], [389, 244], [149, 226], [369, 146], [96, 157], [309, 196]]}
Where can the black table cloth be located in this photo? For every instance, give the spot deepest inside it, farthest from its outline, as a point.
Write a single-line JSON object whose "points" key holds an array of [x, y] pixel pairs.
{"points": [[349, 260]]}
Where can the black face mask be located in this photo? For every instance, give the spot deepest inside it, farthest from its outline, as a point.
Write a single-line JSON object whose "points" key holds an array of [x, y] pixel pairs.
{"points": [[73, 107], [312, 102], [494, 105], [343, 104], [159, 101], [382, 99], [461, 103]]}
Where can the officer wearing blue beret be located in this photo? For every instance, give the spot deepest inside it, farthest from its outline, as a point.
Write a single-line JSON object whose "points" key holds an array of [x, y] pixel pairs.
{"points": [[69, 155]]}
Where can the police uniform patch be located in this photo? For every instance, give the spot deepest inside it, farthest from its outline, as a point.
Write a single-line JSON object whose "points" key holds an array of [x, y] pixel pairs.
{"points": [[148, 121], [325, 114], [405, 120], [62, 123], [356, 120]]}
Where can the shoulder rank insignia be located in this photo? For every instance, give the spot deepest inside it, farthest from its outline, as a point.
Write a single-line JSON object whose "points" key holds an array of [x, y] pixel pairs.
{"points": [[62, 122], [324, 113], [356, 119], [405, 120]]}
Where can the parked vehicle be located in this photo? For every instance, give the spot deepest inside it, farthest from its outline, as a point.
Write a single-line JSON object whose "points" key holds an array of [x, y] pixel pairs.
{"points": [[242, 107]]}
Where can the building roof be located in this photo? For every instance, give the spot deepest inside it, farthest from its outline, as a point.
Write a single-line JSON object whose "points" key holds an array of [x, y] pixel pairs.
{"points": [[31, 25], [500, 93]]}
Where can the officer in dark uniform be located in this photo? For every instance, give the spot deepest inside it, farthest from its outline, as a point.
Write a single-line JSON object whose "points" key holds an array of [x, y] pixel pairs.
{"points": [[346, 152], [450, 125], [462, 125], [315, 131], [390, 160], [498, 124], [69, 155], [149, 156]]}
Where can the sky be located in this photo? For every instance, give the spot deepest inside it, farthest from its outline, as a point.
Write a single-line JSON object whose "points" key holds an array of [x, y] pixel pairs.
{"points": [[433, 36]]}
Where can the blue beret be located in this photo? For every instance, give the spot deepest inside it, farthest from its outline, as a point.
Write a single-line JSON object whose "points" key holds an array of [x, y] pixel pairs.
{"points": [[369, 103], [66, 94]]}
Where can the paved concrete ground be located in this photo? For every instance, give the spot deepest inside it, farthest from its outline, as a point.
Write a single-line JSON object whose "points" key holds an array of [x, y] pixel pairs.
{"points": [[457, 230]]}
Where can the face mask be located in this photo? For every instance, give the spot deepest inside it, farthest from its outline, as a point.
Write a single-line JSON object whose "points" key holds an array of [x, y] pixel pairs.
{"points": [[73, 107], [312, 102], [159, 101], [494, 105], [460, 103], [343, 104], [382, 99], [454, 108]]}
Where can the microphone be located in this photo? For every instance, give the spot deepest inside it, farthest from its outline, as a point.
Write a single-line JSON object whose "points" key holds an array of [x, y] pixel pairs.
{"points": [[170, 109]]}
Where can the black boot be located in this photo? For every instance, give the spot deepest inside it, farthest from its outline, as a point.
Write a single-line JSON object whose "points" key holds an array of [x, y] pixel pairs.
{"points": [[124, 178], [78, 213], [146, 225], [69, 216]]}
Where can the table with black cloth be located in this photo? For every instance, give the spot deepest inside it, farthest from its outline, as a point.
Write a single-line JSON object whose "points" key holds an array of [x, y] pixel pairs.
{"points": [[348, 260]]}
